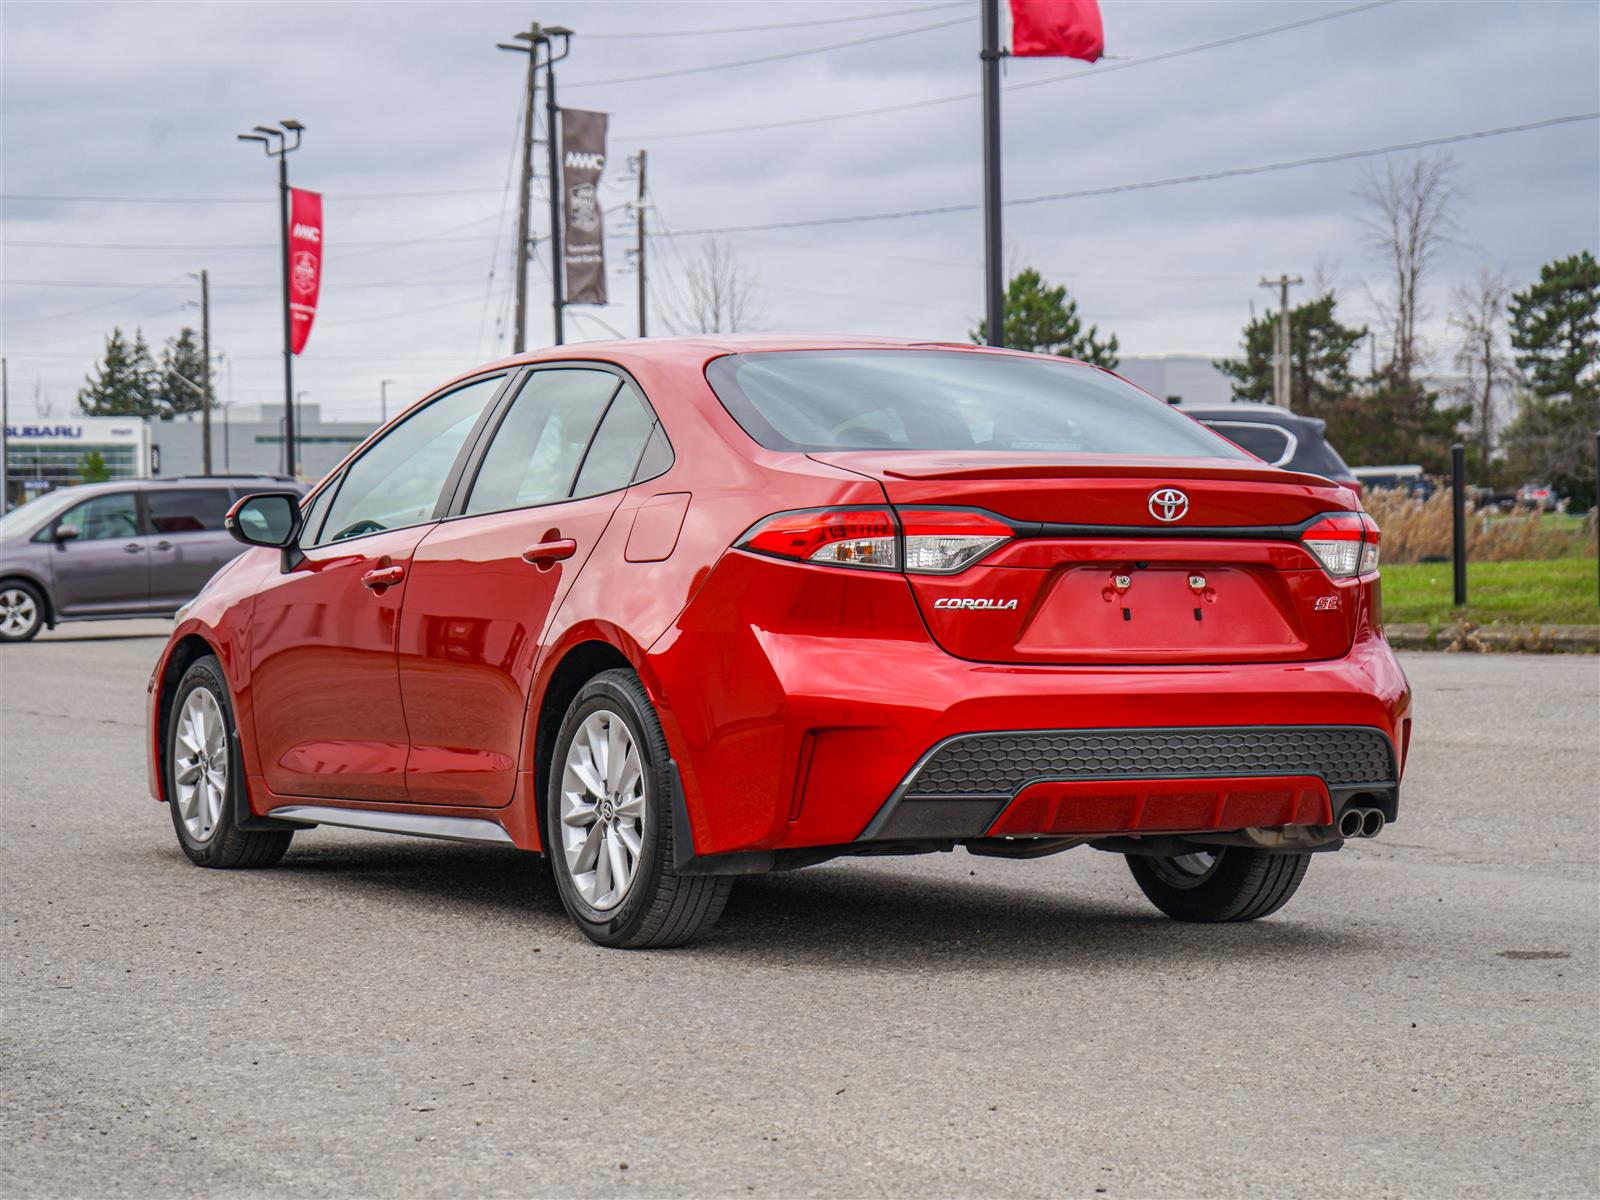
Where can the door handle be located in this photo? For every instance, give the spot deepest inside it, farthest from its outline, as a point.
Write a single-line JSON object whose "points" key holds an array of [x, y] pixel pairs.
{"points": [[546, 554], [133, 548], [382, 577], [163, 545]]}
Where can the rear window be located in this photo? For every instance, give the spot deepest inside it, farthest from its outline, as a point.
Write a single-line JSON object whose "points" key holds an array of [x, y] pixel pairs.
{"points": [[820, 400]]}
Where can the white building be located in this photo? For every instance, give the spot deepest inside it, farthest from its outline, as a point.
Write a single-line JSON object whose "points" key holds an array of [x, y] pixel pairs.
{"points": [[44, 453], [1178, 378]]}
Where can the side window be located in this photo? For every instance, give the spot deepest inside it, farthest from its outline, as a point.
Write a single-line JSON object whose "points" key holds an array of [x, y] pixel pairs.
{"points": [[657, 457], [617, 445], [187, 511], [396, 483], [103, 517], [537, 449], [1267, 442]]}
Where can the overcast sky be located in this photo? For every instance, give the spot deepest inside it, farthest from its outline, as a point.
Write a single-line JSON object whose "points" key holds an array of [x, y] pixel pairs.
{"points": [[144, 101]]}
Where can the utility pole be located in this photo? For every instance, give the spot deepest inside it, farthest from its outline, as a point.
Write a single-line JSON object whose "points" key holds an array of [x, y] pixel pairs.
{"points": [[5, 436], [1282, 346], [519, 335], [639, 250], [531, 40], [994, 288], [205, 372], [275, 141], [383, 401]]}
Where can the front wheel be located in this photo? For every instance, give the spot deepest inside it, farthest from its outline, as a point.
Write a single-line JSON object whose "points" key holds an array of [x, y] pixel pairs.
{"points": [[608, 824], [1228, 883], [203, 772], [21, 611]]}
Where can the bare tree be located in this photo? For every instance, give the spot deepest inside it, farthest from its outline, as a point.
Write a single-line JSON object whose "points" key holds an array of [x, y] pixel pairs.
{"points": [[720, 293], [1410, 218], [1482, 356]]}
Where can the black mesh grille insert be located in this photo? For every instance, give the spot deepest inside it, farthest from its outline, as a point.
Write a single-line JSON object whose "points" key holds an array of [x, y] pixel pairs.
{"points": [[1001, 764]]}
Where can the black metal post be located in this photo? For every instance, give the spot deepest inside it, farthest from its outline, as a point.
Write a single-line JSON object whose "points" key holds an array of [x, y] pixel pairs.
{"points": [[290, 458], [552, 115], [993, 266], [1458, 501]]}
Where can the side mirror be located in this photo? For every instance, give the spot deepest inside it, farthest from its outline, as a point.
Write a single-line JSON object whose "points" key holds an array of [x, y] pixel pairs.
{"points": [[65, 533], [269, 519]]}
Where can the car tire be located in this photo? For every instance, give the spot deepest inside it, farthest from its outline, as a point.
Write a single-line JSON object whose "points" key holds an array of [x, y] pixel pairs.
{"points": [[21, 611], [204, 776], [608, 824], [1228, 883]]}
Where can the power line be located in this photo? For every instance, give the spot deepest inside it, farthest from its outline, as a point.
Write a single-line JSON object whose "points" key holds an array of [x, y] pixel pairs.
{"points": [[357, 196], [658, 33], [1092, 72], [1114, 189], [768, 58]]}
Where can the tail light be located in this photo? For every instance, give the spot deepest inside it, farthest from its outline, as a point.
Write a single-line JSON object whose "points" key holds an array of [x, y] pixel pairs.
{"points": [[930, 541], [1346, 544]]}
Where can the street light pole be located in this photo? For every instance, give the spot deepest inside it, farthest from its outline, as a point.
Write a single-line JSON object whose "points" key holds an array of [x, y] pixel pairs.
{"points": [[275, 141], [205, 372], [383, 400], [5, 436]]}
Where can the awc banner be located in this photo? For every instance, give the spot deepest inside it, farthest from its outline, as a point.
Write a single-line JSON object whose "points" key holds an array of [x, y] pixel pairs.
{"points": [[305, 263], [583, 158]]}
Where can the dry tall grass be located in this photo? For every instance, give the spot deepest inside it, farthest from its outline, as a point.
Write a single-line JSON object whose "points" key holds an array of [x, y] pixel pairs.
{"points": [[1414, 530]]}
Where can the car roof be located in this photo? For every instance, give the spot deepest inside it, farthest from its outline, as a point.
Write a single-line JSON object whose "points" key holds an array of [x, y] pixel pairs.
{"points": [[1255, 414]]}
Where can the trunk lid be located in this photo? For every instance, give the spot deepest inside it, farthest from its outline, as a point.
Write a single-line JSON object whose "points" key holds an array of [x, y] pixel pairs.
{"points": [[1096, 575]]}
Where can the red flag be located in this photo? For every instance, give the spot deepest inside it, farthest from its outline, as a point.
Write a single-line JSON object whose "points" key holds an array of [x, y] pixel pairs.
{"points": [[305, 264], [1059, 28]]}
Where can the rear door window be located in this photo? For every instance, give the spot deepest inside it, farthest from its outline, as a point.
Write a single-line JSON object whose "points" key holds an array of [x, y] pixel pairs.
{"points": [[539, 446], [617, 447], [196, 510]]}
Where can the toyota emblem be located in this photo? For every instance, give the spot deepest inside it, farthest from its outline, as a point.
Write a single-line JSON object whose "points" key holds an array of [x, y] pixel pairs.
{"points": [[1168, 504]]}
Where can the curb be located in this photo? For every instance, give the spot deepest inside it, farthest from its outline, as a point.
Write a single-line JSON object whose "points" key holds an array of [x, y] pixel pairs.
{"points": [[1466, 637]]}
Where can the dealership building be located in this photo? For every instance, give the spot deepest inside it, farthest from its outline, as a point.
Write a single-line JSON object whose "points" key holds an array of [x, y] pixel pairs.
{"points": [[45, 453]]}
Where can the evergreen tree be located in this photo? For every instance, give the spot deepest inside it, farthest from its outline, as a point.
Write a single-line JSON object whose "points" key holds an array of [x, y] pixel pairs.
{"points": [[92, 468], [1045, 320], [123, 383], [1555, 332], [181, 360], [1320, 350], [1398, 420]]}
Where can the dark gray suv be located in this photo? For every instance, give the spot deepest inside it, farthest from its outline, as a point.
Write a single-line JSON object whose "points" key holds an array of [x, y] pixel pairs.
{"points": [[130, 548]]}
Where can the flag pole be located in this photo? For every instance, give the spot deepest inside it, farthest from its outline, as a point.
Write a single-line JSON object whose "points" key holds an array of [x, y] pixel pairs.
{"points": [[994, 286]]}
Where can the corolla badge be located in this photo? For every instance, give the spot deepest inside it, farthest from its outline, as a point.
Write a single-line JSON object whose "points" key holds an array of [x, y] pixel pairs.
{"points": [[969, 602], [1168, 504]]}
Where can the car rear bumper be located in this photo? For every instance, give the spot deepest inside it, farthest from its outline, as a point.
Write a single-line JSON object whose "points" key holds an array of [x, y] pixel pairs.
{"points": [[814, 715]]}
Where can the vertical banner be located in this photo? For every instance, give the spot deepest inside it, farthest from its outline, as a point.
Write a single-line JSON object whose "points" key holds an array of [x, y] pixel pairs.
{"points": [[305, 264], [583, 158]]}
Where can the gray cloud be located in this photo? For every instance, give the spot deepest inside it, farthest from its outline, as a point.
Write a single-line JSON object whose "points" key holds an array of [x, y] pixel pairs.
{"points": [[145, 100]]}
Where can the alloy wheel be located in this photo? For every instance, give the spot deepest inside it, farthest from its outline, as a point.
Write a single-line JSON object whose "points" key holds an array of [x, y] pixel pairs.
{"points": [[18, 612], [602, 809], [200, 764]]}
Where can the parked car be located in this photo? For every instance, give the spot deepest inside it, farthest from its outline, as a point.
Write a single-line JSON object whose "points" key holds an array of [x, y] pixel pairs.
{"points": [[1537, 495], [1278, 436], [130, 548], [1409, 478], [673, 611]]}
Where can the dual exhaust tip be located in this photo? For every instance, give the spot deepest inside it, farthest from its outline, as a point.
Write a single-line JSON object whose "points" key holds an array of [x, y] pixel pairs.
{"points": [[1360, 822]]}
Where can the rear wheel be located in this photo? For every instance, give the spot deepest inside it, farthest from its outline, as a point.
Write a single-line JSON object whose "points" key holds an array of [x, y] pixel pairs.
{"points": [[203, 775], [608, 824], [21, 611], [1227, 883]]}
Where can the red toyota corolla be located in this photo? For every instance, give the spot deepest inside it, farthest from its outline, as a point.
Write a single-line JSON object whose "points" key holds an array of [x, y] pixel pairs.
{"points": [[675, 611]]}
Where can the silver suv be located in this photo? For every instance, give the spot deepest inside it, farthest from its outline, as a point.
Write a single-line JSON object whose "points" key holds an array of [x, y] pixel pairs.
{"points": [[131, 548]]}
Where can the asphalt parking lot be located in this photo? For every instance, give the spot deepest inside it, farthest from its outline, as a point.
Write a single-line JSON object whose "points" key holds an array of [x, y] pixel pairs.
{"points": [[383, 1016]]}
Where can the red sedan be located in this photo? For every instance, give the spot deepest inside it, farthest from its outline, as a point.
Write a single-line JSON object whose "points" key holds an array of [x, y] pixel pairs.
{"points": [[674, 611]]}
